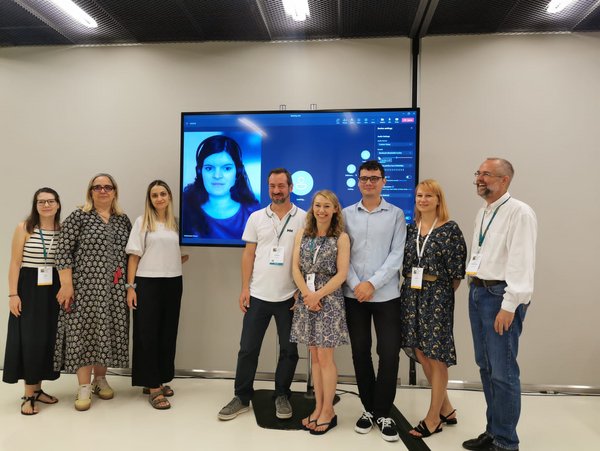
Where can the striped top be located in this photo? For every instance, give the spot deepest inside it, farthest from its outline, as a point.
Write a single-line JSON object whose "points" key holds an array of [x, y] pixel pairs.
{"points": [[33, 252]]}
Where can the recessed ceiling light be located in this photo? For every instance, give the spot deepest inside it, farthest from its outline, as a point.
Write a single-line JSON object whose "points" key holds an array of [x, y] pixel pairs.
{"points": [[556, 6], [298, 9], [75, 12]]}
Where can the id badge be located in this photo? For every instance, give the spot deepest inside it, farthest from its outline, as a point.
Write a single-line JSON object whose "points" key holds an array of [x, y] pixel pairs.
{"points": [[473, 265], [276, 256], [44, 276], [416, 278], [310, 281]]}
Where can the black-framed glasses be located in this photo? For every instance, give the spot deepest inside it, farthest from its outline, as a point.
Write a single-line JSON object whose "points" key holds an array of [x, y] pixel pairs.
{"points": [[372, 178], [485, 174], [49, 202], [99, 188]]}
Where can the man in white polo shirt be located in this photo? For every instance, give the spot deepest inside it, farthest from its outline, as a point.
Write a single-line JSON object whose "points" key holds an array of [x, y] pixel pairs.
{"points": [[268, 291]]}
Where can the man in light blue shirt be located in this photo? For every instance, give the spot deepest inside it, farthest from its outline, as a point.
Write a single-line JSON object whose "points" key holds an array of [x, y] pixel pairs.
{"points": [[377, 232]]}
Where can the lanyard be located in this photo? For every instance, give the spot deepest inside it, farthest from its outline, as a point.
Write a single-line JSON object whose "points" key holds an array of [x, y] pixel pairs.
{"points": [[314, 251], [44, 246], [421, 250], [278, 235], [482, 235]]}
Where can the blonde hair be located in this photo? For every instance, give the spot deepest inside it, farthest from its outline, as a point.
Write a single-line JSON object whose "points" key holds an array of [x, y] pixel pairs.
{"points": [[150, 215], [115, 208], [336, 228], [442, 208]]}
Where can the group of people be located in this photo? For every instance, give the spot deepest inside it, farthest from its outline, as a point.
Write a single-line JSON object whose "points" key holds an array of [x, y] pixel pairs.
{"points": [[71, 286], [326, 276]]}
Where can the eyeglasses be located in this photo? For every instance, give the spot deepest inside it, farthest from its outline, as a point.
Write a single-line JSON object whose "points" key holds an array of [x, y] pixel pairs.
{"points": [[107, 188], [372, 178], [50, 202], [486, 174]]}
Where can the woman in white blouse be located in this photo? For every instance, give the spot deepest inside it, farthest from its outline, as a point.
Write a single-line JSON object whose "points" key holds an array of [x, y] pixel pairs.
{"points": [[154, 288]]}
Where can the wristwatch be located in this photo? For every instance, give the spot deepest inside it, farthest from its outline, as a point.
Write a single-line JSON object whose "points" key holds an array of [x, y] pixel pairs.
{"points": [[132, 285]]}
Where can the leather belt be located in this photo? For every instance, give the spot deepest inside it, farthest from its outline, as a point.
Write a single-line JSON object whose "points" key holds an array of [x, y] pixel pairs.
{"points": [[426, 277], [485, 283]]}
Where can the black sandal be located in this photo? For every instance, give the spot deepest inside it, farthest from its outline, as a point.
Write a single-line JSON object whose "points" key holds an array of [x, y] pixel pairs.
{"points": [[449, 421], [41, 392], [31, 400], [422, 429]]}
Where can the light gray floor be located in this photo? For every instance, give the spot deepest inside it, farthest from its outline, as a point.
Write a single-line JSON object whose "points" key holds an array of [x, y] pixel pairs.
{"points": [[127, 422]]}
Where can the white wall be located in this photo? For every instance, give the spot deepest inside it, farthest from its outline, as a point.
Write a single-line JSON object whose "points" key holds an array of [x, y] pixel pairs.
{"points": [[534, 99], [68, 113]]}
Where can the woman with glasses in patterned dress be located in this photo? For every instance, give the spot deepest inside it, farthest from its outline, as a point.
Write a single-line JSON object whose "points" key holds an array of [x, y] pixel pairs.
{"points": [[33, 283], [93, 327]]}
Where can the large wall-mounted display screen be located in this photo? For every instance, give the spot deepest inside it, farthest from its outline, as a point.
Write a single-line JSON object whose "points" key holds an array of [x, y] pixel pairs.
{"points": [[226, 157]]}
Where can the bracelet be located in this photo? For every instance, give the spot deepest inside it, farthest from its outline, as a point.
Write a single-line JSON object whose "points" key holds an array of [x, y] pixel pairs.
{"points": [[131, 285], [12, 295]]}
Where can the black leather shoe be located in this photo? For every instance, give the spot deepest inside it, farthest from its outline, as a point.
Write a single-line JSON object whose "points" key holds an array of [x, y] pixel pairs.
{"points": [[493, 447], [481, 443]]}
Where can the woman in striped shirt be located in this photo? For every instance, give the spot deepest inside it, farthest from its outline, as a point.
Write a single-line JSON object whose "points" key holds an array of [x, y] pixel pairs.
{"points": [[33, 283]]}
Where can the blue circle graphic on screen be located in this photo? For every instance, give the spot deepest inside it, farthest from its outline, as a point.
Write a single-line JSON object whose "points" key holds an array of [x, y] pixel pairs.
{"points": [[365, 154], [351, 169], [350, 183], [303, 183]]}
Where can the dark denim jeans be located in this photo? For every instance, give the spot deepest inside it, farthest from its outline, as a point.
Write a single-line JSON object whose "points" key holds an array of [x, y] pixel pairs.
{"points": [[496, 356], [256, 322]]}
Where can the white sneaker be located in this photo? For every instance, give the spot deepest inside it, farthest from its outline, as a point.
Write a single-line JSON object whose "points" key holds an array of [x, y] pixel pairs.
{"points": [[83, 401], [101, 388]]}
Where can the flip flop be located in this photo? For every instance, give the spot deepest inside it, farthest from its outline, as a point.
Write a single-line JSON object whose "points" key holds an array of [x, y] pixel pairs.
{"points": [[305, 427], [330, 426]]}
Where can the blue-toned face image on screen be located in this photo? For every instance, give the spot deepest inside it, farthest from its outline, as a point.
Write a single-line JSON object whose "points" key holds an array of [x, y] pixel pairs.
{"points": [[226, 158]]}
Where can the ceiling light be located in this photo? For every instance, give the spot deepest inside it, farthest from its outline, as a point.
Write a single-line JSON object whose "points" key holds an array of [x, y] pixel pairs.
{"points": [[75, 12], [556, 6], [298, 9]]}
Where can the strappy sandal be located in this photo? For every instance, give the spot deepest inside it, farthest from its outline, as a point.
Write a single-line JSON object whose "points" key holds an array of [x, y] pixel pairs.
{"points": [[159, 404], [305, 426], [31, 400], [449, 421], [40, 392], [166, 390], [422, 429]]}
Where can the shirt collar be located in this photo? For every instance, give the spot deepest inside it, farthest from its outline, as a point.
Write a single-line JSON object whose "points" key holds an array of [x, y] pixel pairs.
{"points": [[292, 212], [383, 205], [500, 201]]}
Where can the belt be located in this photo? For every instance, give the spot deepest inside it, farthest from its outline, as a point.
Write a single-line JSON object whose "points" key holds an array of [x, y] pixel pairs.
{"points": [[485, 283], [426, 277]]}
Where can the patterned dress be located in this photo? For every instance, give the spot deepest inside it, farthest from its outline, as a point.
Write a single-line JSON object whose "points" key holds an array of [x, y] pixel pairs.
{"points": [[96, 330], [326, 328], [427, 319]]}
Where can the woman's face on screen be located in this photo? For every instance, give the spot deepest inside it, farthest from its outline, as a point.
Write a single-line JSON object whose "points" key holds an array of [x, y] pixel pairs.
{"points": [[218, 174]]}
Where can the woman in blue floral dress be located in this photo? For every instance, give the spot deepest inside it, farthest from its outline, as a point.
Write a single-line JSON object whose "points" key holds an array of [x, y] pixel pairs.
{"points": [[320, 265], [435, 252]]}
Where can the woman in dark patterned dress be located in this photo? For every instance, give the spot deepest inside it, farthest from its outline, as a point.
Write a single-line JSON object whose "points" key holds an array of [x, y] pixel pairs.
{"points": [[33, 284], [435, 252], [320, 266], [93, 326]]}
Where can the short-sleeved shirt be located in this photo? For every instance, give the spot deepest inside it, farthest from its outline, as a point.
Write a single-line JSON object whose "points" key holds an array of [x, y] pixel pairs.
{"points": [[159, 250], [273, 283]]}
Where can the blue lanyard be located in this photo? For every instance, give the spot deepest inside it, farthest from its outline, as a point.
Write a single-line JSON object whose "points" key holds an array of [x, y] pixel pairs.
{"points": [[482, 235]]}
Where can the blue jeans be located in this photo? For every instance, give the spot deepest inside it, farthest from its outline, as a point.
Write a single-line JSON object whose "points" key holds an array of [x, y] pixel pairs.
{"points": [[496, 356], [256, 322]]}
